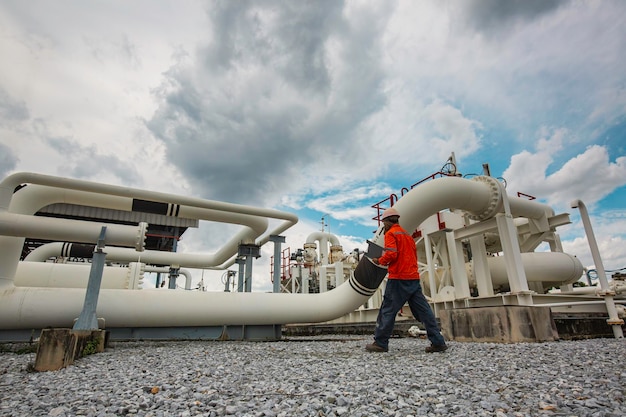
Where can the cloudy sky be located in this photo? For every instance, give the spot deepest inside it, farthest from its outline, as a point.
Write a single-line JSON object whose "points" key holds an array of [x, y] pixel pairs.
{"points": [[322, 108]]}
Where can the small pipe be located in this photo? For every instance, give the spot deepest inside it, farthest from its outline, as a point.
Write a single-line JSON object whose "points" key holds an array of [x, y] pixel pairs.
{"points": [[614, 321]]}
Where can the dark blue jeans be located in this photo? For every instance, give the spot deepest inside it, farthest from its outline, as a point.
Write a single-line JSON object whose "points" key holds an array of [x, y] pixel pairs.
{"points": [[398, 292]]}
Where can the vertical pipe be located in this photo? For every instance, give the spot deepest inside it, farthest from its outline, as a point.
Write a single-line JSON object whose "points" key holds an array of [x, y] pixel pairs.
{"points": [[432, 283], [338, 273], [614, 321], [173, 277]]}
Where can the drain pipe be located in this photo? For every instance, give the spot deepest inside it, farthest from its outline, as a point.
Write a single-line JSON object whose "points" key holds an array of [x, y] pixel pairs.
{"points": [[614, 321]]}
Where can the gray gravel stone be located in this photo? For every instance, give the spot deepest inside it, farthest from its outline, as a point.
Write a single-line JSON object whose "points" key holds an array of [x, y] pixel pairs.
{"points": [[329, 376]]}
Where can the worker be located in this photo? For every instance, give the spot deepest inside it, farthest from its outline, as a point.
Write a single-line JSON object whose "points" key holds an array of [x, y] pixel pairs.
{"points": [[403, 284]]}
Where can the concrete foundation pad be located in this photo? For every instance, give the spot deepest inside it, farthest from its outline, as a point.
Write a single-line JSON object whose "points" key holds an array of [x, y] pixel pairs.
{"points": [[500, 324], [59, 348]]}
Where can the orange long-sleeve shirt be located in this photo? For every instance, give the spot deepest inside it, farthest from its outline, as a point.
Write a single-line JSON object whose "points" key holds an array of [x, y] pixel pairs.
{"points": [[399, 254]]}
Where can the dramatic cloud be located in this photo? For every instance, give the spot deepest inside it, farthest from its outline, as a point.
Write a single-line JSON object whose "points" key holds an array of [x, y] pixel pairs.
{"points": [[280, 88]]}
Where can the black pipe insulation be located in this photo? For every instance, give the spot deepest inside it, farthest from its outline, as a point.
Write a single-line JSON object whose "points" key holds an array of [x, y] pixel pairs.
{"points": [[77, 250], [367, 277]]}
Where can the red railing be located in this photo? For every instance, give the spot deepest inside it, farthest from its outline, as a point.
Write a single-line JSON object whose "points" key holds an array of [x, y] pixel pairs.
{"points": [[284, 265], [163, 236]]}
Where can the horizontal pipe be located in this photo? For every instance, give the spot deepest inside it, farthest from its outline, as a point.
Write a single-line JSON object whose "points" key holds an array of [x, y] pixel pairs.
{"points": [[42, 307], [190, 260], [76, 275], [557, 268], [23, 307], [480, 197], [53, 275], [8, 185], [549, 268], [43, 190], [166, 270], [49, 228]]}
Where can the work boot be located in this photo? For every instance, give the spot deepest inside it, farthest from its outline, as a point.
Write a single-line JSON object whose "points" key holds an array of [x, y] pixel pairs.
{"points": [[433, 348], [373, 347]]}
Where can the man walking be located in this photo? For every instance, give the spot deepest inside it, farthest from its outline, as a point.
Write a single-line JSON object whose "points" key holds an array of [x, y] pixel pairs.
{"points": [[403, 284]]}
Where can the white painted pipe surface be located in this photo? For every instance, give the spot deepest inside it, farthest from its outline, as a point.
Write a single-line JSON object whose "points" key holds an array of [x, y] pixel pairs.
{"points": [[556, 268], [323, 238], [479, 197], [549, 268], [42, 307], [166, 270], [23, 307], [53, 275], [190, 260], [49, 228], [44, 190]]}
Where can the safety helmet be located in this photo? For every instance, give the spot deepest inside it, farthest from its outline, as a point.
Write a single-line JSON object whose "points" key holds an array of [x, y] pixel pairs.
{"points": [[389, 212]]}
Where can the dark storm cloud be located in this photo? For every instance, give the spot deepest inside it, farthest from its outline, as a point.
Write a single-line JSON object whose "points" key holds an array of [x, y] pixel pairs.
{"points": [[12, 109], [294, 44], [497, 15], [280, 86]]}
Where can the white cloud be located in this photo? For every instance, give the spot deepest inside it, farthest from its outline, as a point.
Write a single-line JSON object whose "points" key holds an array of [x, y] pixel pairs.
{"points": [[589, 176]]}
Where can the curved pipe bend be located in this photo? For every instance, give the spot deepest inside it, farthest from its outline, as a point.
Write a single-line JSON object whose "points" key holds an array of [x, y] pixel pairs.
{"points": [[44, 190], [36, 308]]}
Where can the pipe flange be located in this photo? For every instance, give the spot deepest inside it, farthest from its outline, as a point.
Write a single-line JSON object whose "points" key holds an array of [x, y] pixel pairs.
{"points": [[495, 199], [140, 243]]}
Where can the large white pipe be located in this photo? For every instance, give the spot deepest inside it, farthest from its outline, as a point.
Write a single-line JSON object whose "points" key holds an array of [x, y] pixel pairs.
{"points": [[323, 236], [33, 308], [53, 275], [34, 197], [20, 225], [44, 190], [76, 275], [105, 197], [549, 268], [480, 197], [42, 307]]}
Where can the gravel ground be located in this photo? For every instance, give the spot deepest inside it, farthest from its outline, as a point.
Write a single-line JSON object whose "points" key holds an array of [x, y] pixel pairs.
{"points": [[324, 376]]}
